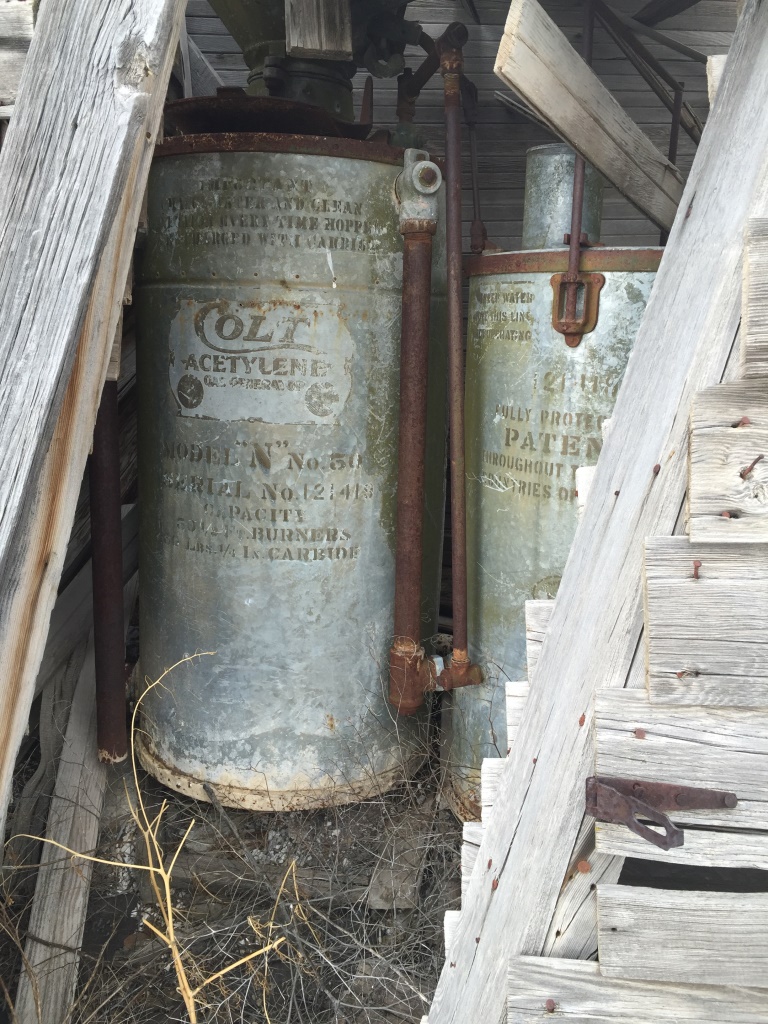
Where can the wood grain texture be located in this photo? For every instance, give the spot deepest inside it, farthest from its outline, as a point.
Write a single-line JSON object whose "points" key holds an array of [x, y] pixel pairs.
{"points": [[537, 61], [516, 696], [754, 318], [316, 28], [717, 748], [16, 27], [705, 638], [583, 995], [205, 79], [702, 848], [682, 346], [537, 616], [724, 476], [74, 166], [689, 937]]}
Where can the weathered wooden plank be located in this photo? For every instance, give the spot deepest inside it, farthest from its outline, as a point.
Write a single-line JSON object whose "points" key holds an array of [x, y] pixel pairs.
{"points": [[57, 919], [682, 346], [16, 27], [205, 80], [472, 835], [573, 931], [702, 847], [754, 318], [537, 61], [662, 935], [705, 636], [450, 927], [74, 165], [516, 696], [315, 28], [583, 995], [715, 69], [728, 465], [717, 748], [537, 616]]}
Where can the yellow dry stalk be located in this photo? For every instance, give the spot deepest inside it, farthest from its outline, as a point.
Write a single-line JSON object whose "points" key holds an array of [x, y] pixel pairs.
{"points": [[159, 875]]}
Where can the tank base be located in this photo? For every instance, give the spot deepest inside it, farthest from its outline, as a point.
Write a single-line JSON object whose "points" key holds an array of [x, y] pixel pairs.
{"points": [[327, 794], [461, 802]]}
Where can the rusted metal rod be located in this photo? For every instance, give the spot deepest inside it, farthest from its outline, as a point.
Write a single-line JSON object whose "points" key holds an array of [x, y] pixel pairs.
{"points": [[579, 170], [406, 682], [451, 65], [107, 570]]}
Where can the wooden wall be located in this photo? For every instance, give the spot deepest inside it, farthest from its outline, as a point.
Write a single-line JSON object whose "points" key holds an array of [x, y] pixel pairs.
{"points": [[503, 136]]}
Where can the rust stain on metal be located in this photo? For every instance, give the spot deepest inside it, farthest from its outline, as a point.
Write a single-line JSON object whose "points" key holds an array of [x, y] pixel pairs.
{"points": [[555, 261], [268, 142]]}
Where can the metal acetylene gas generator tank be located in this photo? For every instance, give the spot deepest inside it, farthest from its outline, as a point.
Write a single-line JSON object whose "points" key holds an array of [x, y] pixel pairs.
{"points": [[269, 317], [537, 395]]}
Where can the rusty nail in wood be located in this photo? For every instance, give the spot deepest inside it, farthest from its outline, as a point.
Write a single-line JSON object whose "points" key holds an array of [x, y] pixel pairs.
{"points": [[584, 867], [725, 515], [639, 734], [656, 469], [696, 567], [743, 422], [494, 885], [616, 494], [477, 938], [453, 963], [582, 720], [680, 674], [490, 863], [748, 469], [550, 1005]]}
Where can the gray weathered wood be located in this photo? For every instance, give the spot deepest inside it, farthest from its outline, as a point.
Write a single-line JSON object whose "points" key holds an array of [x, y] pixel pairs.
{"points": [[16, 27], [537, 61], [705, 638], [205, 80], [58, 912], [516, 696], [702, 847], [715, 69], [73, 165], [537, 616], [722, 453], [682, 346], [583, 995], [717, 748], [316, 28], [754, 318], [720, 938]]}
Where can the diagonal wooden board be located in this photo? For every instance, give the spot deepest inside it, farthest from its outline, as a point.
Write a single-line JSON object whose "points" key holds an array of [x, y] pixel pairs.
{"points": [[537, 61], [73, 165], [682, 347]]}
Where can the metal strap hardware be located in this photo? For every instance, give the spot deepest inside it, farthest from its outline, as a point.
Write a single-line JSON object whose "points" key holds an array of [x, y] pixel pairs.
{"points": [[624, 801], [584, 322]]}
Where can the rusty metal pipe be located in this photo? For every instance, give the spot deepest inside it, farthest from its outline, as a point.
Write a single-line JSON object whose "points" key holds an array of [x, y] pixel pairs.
{"points": [[406, 657], [107, 571], [574, 242], [451, 65]]}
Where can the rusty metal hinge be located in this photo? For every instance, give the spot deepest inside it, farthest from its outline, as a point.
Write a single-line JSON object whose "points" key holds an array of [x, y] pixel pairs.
{"points": [[623, 801]]}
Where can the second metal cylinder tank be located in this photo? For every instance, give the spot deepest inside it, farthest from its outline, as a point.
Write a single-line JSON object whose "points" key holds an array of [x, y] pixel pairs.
{"points": [[534, 412], [269, 315]]}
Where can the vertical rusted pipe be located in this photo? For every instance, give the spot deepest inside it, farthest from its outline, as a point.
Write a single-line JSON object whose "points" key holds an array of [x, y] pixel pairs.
{"points": [[416, 187], [574, 245], [451, 65], [107, 569], [406, 683]]}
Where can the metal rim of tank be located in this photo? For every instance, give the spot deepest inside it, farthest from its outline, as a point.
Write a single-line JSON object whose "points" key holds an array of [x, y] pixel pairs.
{"points": [[555, 261], [269, 142], [312, 798]]}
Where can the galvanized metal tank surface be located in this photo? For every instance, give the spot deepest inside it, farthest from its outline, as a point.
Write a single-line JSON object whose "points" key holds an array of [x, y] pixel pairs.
{"points": [[534, 412], [549, 196], [269, 320]]}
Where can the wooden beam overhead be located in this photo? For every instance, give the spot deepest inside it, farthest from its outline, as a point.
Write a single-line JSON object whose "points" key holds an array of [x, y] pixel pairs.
{"points": [[536, 60], [659, 10]]}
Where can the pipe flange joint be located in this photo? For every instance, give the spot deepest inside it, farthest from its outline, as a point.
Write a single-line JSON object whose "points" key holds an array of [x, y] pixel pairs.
{"points": [[416, 189]]}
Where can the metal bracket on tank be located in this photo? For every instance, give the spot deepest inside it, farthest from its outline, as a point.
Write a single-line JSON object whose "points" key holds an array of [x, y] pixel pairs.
{"points": [[585, 320], [416, 188]]}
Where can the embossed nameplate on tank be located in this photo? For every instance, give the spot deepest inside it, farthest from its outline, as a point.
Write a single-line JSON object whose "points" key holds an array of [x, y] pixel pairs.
{"points": [[262, 361]]}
